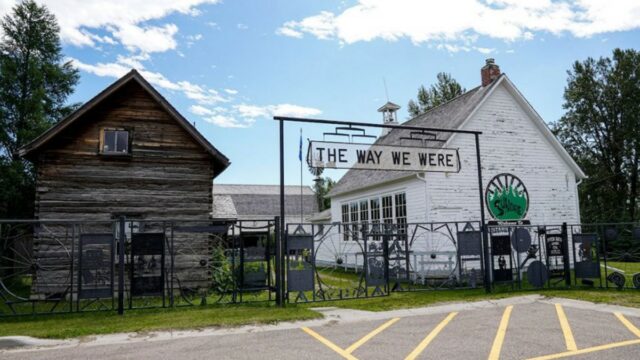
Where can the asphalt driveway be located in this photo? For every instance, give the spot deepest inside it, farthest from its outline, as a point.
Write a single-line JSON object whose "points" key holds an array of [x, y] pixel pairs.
{"points": [[523, 328]]}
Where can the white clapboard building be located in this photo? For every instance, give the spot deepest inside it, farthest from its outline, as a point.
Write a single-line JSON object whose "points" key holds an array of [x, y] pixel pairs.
{"points": [[526, 173]]}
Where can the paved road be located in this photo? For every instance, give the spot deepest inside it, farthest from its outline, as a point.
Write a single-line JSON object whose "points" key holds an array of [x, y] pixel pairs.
{"points": [[545, 329]]}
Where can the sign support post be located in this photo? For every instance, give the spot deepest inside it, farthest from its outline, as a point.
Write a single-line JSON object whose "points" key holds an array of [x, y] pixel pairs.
{"points": [[485, 233], [281, 227]]}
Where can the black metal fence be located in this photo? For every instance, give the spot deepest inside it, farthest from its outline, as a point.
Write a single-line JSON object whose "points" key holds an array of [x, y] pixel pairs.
{"points": [[565, 255], [355, 260], [75, 266], [72, 266]]}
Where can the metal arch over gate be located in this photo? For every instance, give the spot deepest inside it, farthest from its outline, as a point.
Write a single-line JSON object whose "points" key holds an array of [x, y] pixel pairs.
{"points": [[282, 233]]}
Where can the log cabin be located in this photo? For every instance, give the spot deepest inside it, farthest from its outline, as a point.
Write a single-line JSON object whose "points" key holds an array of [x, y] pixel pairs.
{"points": [[126, 152]]}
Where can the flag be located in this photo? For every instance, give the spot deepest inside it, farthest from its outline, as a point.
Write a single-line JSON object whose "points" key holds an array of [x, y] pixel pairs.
{"points": [[300, 148]]}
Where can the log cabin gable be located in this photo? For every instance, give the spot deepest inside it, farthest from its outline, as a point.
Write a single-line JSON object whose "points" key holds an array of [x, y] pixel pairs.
{"points": [[166, 170], [133, 105]]}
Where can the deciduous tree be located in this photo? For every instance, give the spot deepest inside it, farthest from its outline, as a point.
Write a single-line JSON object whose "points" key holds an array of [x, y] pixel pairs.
{"points": [[601, 130]]}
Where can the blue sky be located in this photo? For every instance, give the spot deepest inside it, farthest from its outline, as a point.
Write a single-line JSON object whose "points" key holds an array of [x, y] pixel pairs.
{"points": [[229, 66]]}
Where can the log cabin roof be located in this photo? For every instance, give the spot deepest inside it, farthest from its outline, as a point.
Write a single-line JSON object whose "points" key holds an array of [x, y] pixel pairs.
{"points": [[30, 150]]}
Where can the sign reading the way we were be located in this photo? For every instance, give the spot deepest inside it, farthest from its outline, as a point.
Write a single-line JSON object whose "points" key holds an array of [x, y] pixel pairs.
{"points": [[336, 155]]}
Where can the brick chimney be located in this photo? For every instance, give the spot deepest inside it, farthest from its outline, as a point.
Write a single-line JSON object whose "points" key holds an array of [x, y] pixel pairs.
{"points": [[489, 72]]}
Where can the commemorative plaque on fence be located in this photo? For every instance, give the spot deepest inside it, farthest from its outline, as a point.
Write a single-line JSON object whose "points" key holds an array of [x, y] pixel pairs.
{"points": [[95, 271], [147, 260], [586, 263], [299, 266]]}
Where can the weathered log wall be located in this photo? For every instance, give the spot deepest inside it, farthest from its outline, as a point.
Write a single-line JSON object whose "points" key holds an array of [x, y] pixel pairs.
{"points": [[167, 174]]}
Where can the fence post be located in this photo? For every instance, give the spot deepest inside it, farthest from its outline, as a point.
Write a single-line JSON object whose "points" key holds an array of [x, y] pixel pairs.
{"points": [[486, 257], [121, 244], [565, 255], [278, 240]]}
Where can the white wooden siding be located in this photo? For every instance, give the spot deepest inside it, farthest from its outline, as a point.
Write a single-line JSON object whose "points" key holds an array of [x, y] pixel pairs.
{"points": [[511, 142]]}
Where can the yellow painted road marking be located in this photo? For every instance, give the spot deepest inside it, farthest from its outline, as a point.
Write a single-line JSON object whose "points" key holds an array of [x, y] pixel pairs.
{"points": [[370, 335], [628, 324], [329, 344], [502, 331], [588, 350], [432, 335], [566, 329]]}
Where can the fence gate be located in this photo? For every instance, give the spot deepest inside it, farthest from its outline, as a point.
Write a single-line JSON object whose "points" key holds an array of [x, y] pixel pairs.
{"points": [[334, 262]]}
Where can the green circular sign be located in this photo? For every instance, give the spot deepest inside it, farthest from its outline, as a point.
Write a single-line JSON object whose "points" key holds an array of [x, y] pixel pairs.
{"points": [[507, 198]]}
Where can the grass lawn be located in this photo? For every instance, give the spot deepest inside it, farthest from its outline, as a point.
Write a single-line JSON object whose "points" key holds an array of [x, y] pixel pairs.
{"points": [[62, 326], [405, 300], [93, 323]]}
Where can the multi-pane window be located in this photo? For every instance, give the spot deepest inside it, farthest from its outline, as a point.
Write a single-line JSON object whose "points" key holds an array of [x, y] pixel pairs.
{"points": [[354, 220], [387, 211], [374, 214], [364, 216], [345, 221], [401, 212], [115, 141], [375, 217]]}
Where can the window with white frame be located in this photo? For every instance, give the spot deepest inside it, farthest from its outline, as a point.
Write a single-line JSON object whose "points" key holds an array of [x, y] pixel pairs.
{"points": [[375, 217], [354, 220], [401, 212], [365, 214], [387, 210], [345, 221]]}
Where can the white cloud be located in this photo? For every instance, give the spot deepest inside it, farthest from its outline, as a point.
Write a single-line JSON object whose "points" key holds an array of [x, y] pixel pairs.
{"points": [[463, 21], [147, 39], [210, 104], [198, 93], [245, 115], [485, 51], [241, 26], [290, 32], [124, 20], [254, 111], [200, 110], [227, 121]]}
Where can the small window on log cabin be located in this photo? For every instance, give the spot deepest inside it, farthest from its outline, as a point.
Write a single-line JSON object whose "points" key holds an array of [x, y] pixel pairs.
{"points": [[115, 141]]}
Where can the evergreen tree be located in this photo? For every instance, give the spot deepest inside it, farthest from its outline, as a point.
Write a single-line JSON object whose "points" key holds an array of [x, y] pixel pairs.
{"points": [[34, 85], [444, 90]]}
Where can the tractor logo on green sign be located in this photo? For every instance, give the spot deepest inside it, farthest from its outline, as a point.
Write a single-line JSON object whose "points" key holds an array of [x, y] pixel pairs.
{"points": [[507, 198]]}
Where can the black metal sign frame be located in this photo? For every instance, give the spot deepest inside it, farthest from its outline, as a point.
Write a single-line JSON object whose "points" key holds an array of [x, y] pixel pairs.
{"points": [[95, 271], [280, 288], [145, 280]]}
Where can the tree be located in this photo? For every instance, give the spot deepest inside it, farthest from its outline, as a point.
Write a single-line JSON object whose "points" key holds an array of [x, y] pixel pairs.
{"points": [[322, 187], [34, 86], [444, 90], [601, 130]]}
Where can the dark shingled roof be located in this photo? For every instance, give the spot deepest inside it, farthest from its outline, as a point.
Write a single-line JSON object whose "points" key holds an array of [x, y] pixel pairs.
{"points": [[449, 115], [247, 202]]}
